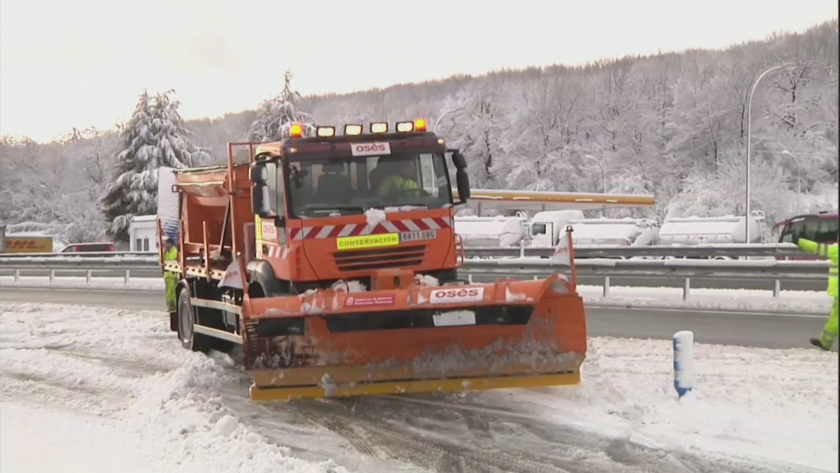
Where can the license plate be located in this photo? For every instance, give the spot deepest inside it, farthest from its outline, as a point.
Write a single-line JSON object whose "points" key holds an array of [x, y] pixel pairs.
{"points": [[421, 235], [450, 319]]}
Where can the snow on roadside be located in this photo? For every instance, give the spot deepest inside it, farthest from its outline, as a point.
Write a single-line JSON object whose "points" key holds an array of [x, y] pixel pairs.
{"points": [[799, 302], [773, 405], [92, 438], [126, 370]]}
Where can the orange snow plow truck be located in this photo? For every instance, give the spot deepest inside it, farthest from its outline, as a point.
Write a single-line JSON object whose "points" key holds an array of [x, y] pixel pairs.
{"points": [[333, 261]]}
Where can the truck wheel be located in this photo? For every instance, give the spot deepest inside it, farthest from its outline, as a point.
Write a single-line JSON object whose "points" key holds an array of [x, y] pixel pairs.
{"points": [[186, 320]]}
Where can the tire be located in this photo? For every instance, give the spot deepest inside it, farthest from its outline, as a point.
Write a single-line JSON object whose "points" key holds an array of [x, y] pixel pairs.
{"points": [[186, 321]]}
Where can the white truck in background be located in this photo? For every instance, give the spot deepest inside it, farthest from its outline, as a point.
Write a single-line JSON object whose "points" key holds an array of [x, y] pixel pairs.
{"points": [[548, 227], [715, 230]]}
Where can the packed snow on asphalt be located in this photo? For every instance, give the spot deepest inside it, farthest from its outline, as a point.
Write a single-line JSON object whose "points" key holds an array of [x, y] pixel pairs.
{"points": [[99, 390]]}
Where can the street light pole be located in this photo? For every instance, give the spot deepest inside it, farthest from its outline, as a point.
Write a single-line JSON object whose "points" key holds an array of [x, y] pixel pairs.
{"points": [[603, 173], [434, 127], [798, 179], [749, 138], [603, 179]]}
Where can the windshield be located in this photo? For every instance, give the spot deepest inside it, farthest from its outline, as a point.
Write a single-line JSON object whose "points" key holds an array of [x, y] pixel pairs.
{"points": [[351, 185]]}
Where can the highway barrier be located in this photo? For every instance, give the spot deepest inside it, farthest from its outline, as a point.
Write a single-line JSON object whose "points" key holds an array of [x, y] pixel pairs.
{"points": [[720, 251], [806, 275]]}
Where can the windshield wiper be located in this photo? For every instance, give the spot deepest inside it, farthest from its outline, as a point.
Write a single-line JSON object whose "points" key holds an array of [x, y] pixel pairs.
{"points": [[333, 207]]}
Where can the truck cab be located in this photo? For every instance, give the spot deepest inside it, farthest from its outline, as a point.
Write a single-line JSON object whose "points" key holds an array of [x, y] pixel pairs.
{"points": [[340, 207]]}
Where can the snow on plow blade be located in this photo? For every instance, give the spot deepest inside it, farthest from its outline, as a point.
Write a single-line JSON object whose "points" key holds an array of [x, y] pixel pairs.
{"points": [[420, 339]]}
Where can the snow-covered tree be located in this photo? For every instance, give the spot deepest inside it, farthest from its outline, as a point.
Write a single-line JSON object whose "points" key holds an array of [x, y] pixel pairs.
{"points": [[473, 117], [154, 137], [277, 114], [723, 192]]}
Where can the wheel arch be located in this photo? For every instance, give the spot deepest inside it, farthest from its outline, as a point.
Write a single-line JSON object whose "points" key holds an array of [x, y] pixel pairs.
{"points": [[261, 278]]}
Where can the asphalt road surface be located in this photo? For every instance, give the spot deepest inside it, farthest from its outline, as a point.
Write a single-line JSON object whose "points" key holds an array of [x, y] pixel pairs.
{"points": [[635, 281], [753, 329]]}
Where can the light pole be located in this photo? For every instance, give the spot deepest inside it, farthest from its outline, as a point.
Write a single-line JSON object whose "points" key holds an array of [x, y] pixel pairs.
{"points": [[603, 173], [603, 179], [434, 128], [798, 178], [749, 138]]}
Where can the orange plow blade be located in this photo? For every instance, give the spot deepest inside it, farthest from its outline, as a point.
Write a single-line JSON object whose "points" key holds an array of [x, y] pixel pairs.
{"points": [[420, 339]]}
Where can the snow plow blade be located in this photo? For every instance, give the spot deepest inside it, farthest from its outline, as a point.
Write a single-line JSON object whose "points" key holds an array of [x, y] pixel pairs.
{"points": [[419, 339]]}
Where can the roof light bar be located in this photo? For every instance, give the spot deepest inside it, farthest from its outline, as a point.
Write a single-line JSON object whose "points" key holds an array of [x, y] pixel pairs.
{"points": [[379, 127], [353, 130], [326, 131], [405, 127]]}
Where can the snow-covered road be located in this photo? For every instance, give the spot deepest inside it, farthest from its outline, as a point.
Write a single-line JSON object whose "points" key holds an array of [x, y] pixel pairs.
{"points": [[94, 389]]}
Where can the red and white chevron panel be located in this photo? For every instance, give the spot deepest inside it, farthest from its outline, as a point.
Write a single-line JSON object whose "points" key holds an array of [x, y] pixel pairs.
{"points": [[352, 229], [277, 251]]}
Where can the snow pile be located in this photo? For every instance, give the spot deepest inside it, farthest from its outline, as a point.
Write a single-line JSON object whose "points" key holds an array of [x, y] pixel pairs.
{"points": [[454, 318], [375, 216], [179, 415], [494, 358], [426, 280], [348, 286], [98, 445], [120, 380], [778, 405], [514, 296]]}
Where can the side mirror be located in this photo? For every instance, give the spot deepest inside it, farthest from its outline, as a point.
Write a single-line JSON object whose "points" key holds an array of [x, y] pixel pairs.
{"points": [[459, 161], [463, 182], [260, 200]]}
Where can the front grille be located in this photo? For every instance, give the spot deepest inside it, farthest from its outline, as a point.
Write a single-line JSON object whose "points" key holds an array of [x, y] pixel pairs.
{"points": [[380, 258]]}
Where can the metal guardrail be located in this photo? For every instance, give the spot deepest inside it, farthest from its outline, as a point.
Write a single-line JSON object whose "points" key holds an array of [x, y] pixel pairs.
{"points": [[84, 255], [614, 251], [814, 272], [583, 251]]}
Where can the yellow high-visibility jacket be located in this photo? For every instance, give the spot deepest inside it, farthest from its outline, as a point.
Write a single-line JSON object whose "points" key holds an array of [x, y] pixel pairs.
{"points": [[395, 183], [170, 255], [825, 251]]}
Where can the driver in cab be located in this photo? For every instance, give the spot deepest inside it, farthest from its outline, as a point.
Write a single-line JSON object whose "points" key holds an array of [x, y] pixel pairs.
{"points": [[399, 181]]}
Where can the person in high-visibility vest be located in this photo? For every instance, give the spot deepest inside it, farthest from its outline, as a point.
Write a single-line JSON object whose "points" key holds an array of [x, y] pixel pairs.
{"points": [[829, 333], [395, 185], [170, 253]]}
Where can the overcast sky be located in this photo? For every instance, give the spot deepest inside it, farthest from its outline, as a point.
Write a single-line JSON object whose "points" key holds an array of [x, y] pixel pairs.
{"points": [[82, 63]]}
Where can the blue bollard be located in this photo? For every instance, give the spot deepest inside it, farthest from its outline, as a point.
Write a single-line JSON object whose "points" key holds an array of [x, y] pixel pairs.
{"points": [[683, 362]]}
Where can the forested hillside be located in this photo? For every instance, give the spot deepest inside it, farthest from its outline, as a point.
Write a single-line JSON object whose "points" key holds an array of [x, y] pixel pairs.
{"points": [[672, 125]]}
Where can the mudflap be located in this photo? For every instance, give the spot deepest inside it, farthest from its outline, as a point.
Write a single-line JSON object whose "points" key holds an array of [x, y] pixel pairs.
{"points": [[173, 321], [508, 334]]}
